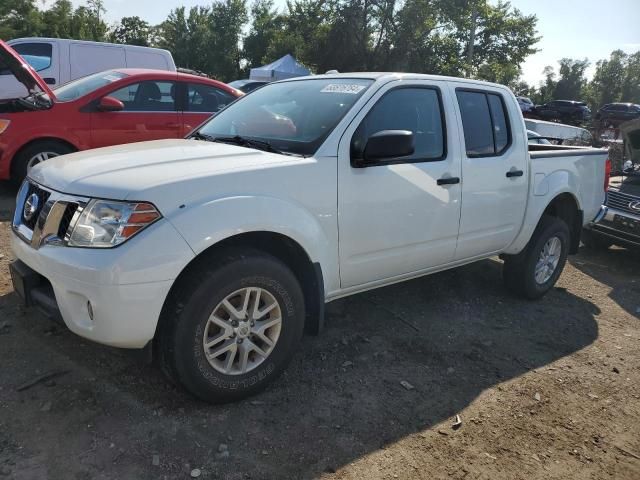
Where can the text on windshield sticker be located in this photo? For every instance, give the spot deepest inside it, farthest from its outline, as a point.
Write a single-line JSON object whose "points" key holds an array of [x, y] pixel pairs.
{"points": [[342, 88]]}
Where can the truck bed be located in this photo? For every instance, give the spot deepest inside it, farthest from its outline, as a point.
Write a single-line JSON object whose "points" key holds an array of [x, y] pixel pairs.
{"points": [[544, 151]]}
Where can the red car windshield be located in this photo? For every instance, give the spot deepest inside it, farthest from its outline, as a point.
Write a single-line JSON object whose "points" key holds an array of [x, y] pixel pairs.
{"points": [[78, 88]]}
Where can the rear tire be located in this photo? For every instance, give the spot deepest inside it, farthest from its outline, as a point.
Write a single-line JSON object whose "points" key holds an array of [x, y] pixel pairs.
{"points": [[196, 316], [34, 154], [535, 270]]}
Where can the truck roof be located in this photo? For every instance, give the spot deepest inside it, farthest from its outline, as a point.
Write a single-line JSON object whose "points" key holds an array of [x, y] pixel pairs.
{"points": [[390, 76]]}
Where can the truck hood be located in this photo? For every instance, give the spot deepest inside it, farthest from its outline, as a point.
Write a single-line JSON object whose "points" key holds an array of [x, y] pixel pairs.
{"points": [[23, 72], [127, 171]]}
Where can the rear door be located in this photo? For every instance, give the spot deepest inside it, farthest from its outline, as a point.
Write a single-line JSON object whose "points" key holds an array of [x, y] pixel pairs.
{"points": [[397, 217], [202, 101], [149, 114], [494, 170]]}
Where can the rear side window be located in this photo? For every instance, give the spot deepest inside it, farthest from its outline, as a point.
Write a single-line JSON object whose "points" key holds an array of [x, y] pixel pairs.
{"points": [[485, 123], [38, 55], [207, 99]]}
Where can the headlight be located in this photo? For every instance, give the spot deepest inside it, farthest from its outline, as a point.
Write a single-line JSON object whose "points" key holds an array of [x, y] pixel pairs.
{"points": [[107, 223], [4, 124]]}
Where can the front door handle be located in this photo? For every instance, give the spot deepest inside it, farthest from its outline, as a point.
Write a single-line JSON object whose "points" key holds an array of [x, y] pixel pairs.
{"points": [[514, 173], [448, 181], [49, 81]]}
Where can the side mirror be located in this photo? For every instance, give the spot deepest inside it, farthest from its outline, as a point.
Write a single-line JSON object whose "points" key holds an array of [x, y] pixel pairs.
{"points": [[388, 144], [110, 104]]}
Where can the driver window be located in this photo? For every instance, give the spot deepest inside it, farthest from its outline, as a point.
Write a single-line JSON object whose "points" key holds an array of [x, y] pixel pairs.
{"points": [[150, 96], [418, 110]]}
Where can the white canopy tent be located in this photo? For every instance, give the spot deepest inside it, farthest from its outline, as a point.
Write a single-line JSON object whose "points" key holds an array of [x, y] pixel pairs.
{"points": [[285, 67]]}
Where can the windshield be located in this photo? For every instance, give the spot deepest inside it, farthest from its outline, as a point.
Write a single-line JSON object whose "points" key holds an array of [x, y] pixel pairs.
{"points": [[294, 117], [78, 88]]}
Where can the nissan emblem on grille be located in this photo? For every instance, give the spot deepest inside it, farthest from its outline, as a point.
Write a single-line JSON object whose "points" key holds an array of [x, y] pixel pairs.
{"points": [[635, 205], [31, 206]]}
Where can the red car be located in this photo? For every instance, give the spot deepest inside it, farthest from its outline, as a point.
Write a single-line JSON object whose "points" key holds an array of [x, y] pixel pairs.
{"points": [[107, 108]]}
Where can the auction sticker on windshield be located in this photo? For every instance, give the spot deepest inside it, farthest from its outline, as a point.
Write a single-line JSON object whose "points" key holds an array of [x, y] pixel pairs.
{"points": [[343, 88]]}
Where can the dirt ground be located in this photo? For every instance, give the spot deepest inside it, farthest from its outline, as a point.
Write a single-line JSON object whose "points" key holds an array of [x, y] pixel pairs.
{"points": [[545, 390]]}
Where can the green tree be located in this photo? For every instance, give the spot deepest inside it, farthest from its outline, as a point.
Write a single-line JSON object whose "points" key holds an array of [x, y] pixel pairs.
{"points": [[572, 82], [265, 25], [226, 22], [631, 82], [131, 31], [608, 79], [19, 18]]}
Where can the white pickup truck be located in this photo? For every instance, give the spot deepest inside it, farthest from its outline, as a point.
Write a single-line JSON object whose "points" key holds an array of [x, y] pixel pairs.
{"points": [[220, 249]]}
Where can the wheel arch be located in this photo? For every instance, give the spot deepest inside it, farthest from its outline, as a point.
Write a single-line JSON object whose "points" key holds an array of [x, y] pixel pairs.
{"points": [[35, 141], [308, 273], [563, 204], [565, 207]]}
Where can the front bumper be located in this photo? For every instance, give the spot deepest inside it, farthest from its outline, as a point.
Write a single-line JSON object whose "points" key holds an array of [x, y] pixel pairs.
{"points": [[125, 286], [619, 226]]}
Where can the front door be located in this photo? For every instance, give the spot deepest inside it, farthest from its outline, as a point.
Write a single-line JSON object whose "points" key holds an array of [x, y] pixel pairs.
{"points": [[149, 114], [399, 216], [495, 170]]}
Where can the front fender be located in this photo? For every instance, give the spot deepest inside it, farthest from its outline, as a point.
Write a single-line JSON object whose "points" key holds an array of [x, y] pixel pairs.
{"points": [[204, 225]]}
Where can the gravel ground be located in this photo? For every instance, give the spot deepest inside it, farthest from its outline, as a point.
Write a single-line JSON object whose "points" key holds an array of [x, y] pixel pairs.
{"points": [[547, 389]]}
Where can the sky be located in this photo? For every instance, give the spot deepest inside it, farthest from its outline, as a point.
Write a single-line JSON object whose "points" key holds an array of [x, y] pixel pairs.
{"points": [[569, 28]]}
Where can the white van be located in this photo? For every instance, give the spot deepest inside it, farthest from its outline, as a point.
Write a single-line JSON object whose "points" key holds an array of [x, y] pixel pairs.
{"points": [[59, 60], [570, 134]]}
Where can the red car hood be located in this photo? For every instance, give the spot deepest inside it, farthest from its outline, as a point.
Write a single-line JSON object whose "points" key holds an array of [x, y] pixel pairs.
{"points": [[23, 72]]}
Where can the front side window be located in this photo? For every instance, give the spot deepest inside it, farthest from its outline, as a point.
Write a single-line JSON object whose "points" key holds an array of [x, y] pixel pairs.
{"points": [[149, 96], [295, 116], [417, 110], [38, 55], [207, 99], [485, 123]]}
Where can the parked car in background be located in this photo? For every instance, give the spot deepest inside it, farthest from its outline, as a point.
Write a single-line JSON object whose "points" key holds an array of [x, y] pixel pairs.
{"points": [[569, 134], [526, 105], [247, 85], [564, 111], [59, 60], [619, 220], [107, 108], [221, 249], [616, 113], [536, 139]]}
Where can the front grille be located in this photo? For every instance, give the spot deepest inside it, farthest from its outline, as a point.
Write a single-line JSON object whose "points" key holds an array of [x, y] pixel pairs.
{"points": [[621, 201], [43, 196], [51, 220], [65, 221]]}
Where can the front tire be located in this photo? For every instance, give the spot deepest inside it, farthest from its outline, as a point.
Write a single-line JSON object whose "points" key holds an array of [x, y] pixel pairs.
{"points": [[35, 153], [535, 270], [232, 326]]}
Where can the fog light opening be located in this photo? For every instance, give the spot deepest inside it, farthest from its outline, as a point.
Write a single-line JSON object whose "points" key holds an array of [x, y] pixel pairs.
{"points": [[90, 310]]}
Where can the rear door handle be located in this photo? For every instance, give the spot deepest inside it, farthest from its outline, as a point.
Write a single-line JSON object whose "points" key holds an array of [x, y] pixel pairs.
{"points": [[448, 181], [514, 173]]}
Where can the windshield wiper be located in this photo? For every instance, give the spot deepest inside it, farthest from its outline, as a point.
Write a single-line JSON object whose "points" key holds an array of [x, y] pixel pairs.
{"points": [[202, 136], [248, 142]]}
